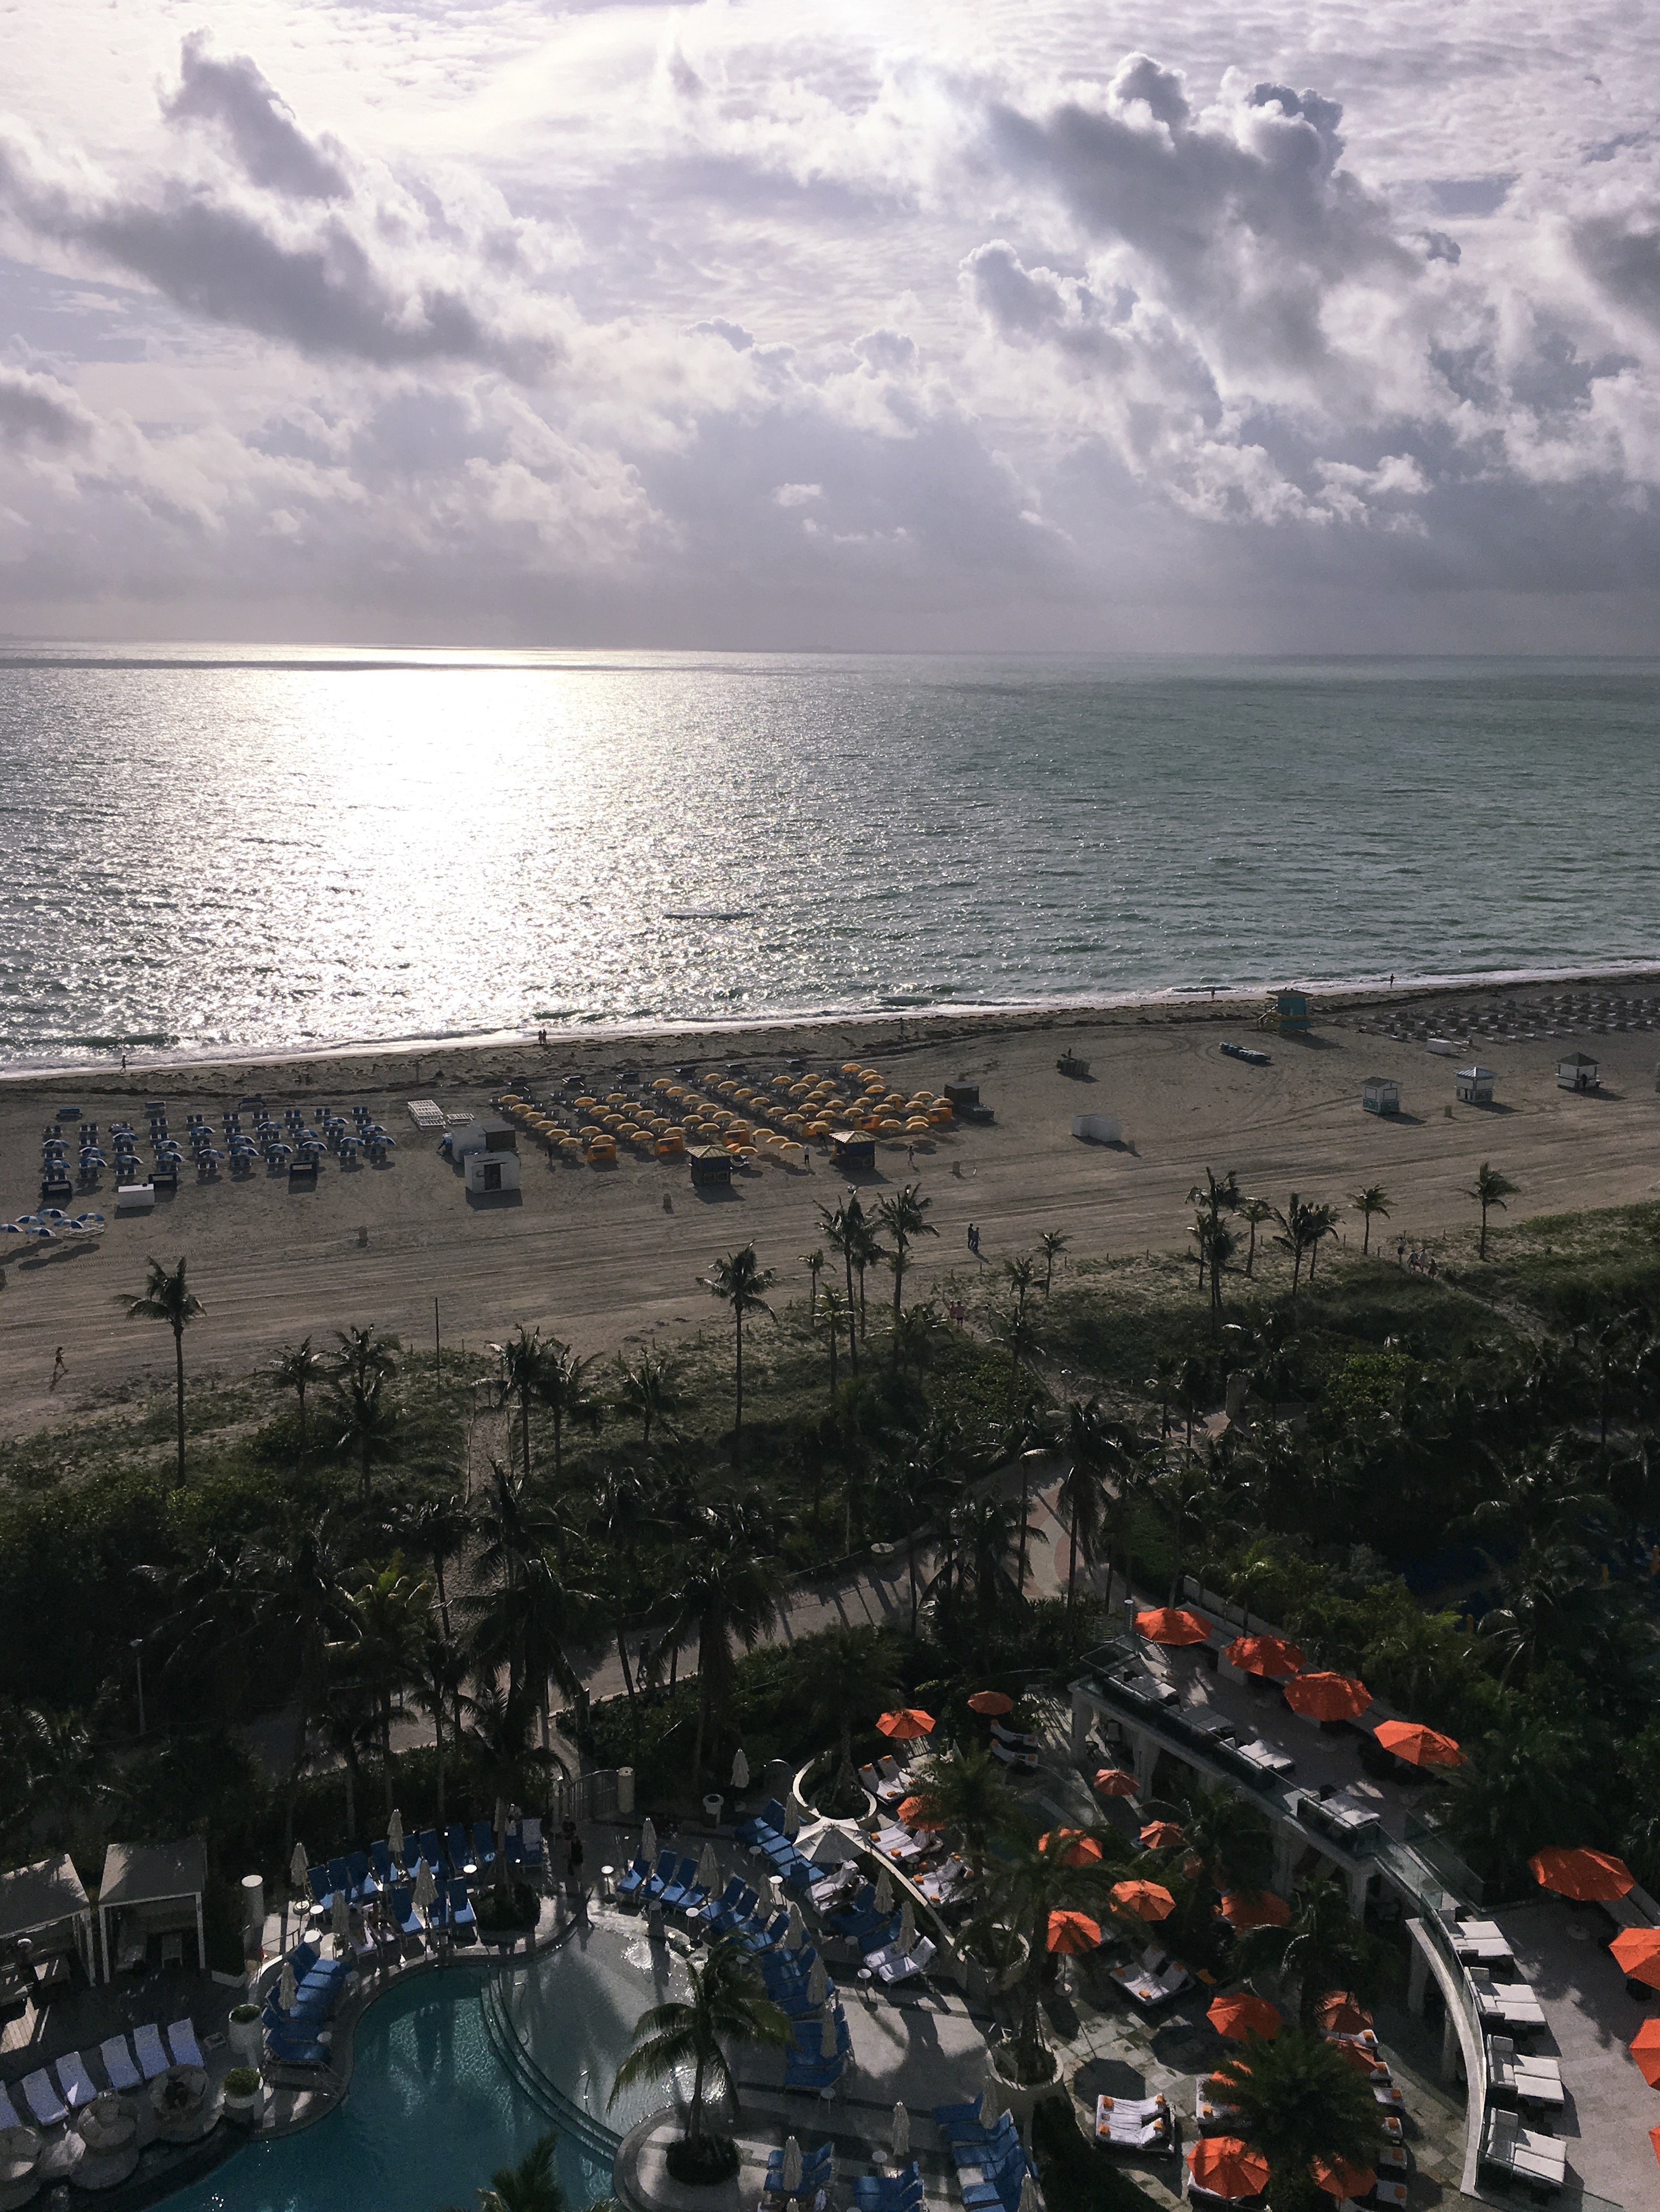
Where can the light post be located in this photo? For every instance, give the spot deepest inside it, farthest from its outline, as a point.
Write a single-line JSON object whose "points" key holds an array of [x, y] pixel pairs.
{"points": [[139, 1655]]}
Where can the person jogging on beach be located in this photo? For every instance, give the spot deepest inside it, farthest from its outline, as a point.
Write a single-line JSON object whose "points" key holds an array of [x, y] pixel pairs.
{"points": [[58, 1368]]}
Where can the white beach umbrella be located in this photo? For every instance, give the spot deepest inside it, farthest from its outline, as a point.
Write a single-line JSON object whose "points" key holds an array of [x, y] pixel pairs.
{"points": [[740, 1771], [900, 2137], [990, 2105], [287, 1989], [426, 1889], [766, 1892], [708, 1870], [648, 1842], [906, 1928], [298, 1866], [827, 2035], [395, 1835], [817, 1982], [792, 1819], [1029, 2200], [789, 2176], [885, 1891], [796, 1934]]}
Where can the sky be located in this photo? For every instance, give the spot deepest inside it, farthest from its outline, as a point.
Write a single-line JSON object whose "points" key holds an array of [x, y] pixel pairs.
{"points": [[1024, 324]]}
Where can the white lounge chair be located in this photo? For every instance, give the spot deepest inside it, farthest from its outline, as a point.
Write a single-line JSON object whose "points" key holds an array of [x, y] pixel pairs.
{"points": [[1022, 1762], [182, 2038], [901, 1970], [153, 2059], [1523, 2152], [75, 2081], [1135, 2122], [118, 2064], [43, 2099]]}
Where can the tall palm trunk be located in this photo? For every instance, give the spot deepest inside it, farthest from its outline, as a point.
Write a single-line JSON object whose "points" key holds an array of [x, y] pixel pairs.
{"points": [[738, 1412], [179, 1362]]}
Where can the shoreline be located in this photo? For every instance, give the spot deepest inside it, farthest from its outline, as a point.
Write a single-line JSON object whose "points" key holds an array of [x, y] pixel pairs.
{"points": [[937, 1023]]}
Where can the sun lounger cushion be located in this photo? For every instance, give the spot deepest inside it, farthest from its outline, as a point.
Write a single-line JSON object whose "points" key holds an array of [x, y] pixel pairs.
{"points": [[118, 2064], [152, 2058], [75, 2081], [181, 2036], [43, 2099]]}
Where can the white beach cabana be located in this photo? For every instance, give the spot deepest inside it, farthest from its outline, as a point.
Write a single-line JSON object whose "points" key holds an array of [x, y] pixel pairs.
{"points": [[46, 1904], [1381, 1094], [160, 1885], [1577, 1072], [1474, 1085]]}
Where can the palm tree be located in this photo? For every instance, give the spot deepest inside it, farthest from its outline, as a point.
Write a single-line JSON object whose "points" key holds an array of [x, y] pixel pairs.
{"points": [[1082, 1495], [964, 1789], [726, 2004], [1322, 1223], [1216, 1246], [1213, 1199], [368, 1424], [836, 1311], [296, 1576], [731, 1589], [1295, 1236], [530, 2186], [904, 1217], [166, 1296], [435, 1530], [813, 1261], [527, 1622], [1490, 1188], [522, 1362], [563, 1390], [1031, 1877], [624, 1507], [366, 1355], [928, 1481], [1052, 1244], [845, 1227], [437, 1677], [296, 1368], [1374, 1199], [384, 1623], [1255, 1211], [1323, 1946], [646, 1392], [1231, 1838], [1300, 2101], [1022, 1275], [988, 1538], [741, 1282], [498, 1736], [847, 1675]]}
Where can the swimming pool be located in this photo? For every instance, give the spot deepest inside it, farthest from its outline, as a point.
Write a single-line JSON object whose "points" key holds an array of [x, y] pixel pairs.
{"points": [[433, 2109]]}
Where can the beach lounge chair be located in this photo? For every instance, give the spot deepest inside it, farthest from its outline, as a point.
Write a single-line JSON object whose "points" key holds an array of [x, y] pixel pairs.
{"points": [[726, 1902], [385, 1872], [1018, 1762], [484, 1844], [904, 1970], [75, 2081], [317, 1880], [631, 1884], [1135, 2124], [458, 1843], [1153, 1979], [400, 1903], [152, 2057], [1538, 2158], [43, 2099], [431, 1849], [656, 1883], [181, 2037], [1016, 1739], [986, 2146], [530, 1835], [462, 1912], [674, 1895], [340, 1879], [118, 2064], [363, 1883]]}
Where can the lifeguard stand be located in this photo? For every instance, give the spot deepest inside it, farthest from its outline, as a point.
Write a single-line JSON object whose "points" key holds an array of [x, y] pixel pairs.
{"points": [[1286, 1012]]}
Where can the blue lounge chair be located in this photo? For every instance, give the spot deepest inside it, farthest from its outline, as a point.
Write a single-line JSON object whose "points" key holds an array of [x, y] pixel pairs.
{"points": [[664, 1875], [725, 1903], [674, 1894], [458, 1843], [316, 1879], [401, 1904], [431, 1849], [462, 1912], [357, 1865], [634, 1880], [385, 1874], [771, 1817], [515, 1848], [727, 1919], [484, 1844], [340, 1878]]}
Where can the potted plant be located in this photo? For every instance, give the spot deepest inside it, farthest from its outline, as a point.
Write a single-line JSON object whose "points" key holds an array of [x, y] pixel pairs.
{"points": [[244, 2093], [245, 2032]]}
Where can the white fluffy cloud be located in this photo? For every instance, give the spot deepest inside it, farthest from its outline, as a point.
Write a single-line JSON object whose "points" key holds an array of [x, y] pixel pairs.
{"points": [[788, 324]]}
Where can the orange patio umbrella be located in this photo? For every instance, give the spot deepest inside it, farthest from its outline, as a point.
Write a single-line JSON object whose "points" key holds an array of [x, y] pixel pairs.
{"points": [[1115, 1781], [1637, 1951], [1328, 1697], [1654, 2141], [1162, 1835], [1417, 1744], [905, 1725], [1340, 2014], [1243, 1909], [1151, 1900], [914, 1813], [1340, 2179], [1242, 2014], [1072, 1932], [1586, 1876], [1169, 1624], [993, 1703], [1071, 1845], [1228, 2168], [1264, 1654], [1362, 2060], [1645, 2048]]}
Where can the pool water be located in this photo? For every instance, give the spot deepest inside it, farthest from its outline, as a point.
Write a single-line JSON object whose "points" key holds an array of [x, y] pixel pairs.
{"points": [[430, 2115], [574, 2015]]}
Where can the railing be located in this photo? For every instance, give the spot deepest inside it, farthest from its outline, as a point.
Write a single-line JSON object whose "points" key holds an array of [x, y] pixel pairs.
{"points": [[1428, 1844], [584, 1797]]}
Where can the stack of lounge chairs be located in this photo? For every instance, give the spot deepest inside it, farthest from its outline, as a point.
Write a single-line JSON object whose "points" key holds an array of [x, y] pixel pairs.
{"points": [[817, 2171], [296, 2037], [765, 1833], [1013, 1748], [806, 2066], [889, 2193], [991, 2166], [53, 2103]]}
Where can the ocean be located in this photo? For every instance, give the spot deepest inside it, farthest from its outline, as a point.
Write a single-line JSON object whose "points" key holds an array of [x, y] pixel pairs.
{"points": [[218, 850]]}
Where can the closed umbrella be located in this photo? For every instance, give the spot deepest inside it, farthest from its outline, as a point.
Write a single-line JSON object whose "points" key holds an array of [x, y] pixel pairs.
{"points": [[395, 1835], [426, 1889], [1029, 2200], [768, 1894], [740, 1770], [827, 2035], [907, 1943], [792, 1819], [900, 2136], [990, 2105], [795, 1935], [708, 1870], [817, 1982], [648, 1842], [298, 1866], [287, 1989], [883, 1890], [789, 2177]]}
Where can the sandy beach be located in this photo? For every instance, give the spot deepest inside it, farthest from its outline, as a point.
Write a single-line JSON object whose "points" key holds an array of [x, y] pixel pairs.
{"points": [[596, 1256]]}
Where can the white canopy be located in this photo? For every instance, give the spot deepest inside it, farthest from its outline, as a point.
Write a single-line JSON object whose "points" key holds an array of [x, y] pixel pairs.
{"points": [[47, 1902], [163, 1883]]}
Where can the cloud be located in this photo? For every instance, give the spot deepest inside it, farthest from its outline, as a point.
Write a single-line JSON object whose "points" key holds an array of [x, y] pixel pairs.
{"points": [[233, 97], [38, 411]]}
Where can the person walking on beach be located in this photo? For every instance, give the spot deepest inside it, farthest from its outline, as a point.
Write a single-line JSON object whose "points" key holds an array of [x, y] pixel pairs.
{"points": [[974, 1239], [911, 1156], [58, 1368]]}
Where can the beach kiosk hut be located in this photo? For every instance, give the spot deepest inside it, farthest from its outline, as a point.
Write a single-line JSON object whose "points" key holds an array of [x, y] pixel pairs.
{"points": [[159, 1887], [1475, 1085], [1381, 1094], [489, 1134], [1578, 1072], [851, 1148], [488, 1173], [1097, 1128], [45, 1905], [710, 1165]]}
